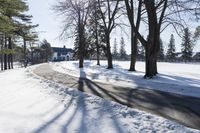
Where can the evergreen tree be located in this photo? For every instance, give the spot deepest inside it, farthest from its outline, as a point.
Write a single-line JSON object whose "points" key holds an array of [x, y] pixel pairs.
{"points": [[78, 52], [161, 54], [89, 50], [46, 50], [196, 33], [187, 46], [122, 53], [96, 32], [171, 55], [115, 52], [12, 22]]}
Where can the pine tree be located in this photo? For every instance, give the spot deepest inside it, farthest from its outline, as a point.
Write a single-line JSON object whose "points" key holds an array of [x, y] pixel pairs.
{"points": [[161, 54], [115, 52], [187, 46], [122, 53], [78, 52], [171, 55], [196, 33], [46, 50], [89, 48], [12, 21], [96, 32]]}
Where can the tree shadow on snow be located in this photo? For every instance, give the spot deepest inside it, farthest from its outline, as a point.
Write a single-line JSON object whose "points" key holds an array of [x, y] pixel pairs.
{"points": [[162, 81], [183, 109], [79, 112]]}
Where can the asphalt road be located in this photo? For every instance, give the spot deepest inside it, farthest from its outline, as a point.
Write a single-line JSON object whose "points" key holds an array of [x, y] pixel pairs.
{"points": [[179, 108]]}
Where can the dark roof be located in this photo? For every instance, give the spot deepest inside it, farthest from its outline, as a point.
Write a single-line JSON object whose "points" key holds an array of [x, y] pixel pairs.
{"points": [[197, 55], [62, 50]]}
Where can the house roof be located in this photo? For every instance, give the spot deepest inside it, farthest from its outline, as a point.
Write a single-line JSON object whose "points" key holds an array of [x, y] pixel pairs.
{"points": [[62, 50], [197, 55]]}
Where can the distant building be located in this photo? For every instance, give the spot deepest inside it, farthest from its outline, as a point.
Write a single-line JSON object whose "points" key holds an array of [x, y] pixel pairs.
{"points": [[62, 54], [196, 57]]}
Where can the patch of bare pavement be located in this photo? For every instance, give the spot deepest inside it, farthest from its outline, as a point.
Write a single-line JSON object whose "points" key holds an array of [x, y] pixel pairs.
{"points": [[179, 108]]}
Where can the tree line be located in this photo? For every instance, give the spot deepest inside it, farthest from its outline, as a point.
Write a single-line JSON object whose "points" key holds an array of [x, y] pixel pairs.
{"points": [[186, 54], [92, 22], [119, 54], [15, 26], [18, 36]]}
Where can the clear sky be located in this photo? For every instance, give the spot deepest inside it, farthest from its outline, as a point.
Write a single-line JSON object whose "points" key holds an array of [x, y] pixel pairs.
{"points": [[50, 26]]}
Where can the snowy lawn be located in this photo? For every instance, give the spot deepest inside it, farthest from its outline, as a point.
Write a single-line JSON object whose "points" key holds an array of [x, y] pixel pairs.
{"points": [[177, 78], [31, 104]]}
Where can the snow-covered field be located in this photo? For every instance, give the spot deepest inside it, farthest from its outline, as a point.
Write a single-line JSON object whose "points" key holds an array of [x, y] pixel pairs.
{"points": [[31, 104], [177, 78]]}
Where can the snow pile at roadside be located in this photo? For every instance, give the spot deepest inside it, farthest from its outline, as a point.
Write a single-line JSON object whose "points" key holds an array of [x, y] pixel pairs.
{"points": [[31, 104], [173, 77]]}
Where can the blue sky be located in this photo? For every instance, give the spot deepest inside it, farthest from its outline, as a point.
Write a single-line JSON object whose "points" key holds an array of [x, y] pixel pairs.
{"points": [[50, 26]]}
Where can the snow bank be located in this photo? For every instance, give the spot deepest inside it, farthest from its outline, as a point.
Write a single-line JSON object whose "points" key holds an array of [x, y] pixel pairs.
{"points": [[31, 104]]}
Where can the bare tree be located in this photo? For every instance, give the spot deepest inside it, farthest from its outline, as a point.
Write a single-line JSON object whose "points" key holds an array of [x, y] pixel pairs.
{"points": [[75, 14], [130, 6], [108, 10], [159, 14]]}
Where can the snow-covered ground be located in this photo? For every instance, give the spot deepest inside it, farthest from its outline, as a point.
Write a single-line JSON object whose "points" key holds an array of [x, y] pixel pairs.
{"points": [[177, 78], [29, 103]]}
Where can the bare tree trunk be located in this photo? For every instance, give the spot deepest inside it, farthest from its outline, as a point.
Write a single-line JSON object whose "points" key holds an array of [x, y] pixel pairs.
{"points": [[152, 41], [81, 51], [157, 49], [81, 61], [150, 62], [32, 62], [81, 48], [2, 42], [11, 59], [1, 62], [96, 35], [97, 44], [5, 55], [130, 12], [98, 52], [133, 50], [151, 55], [25, 58], [108, 52], [9, 55]]}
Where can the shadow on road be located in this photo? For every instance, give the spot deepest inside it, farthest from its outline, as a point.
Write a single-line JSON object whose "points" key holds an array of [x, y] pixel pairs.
{"points": [[183, 109]]}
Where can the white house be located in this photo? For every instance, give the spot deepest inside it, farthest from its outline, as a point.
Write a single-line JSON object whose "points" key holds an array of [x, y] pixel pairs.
{"points": [[62, 54]]}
